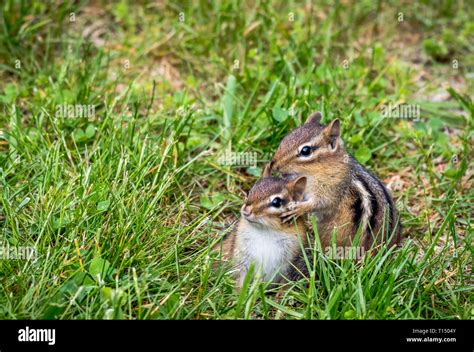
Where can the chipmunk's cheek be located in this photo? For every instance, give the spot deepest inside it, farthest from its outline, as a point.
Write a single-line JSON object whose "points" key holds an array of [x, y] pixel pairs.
{"points": [[275, 222], [267, 222]]}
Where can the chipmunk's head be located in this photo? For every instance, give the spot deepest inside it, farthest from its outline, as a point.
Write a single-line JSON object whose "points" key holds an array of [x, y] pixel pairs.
{"points": [[308, 145], [269, 198]]}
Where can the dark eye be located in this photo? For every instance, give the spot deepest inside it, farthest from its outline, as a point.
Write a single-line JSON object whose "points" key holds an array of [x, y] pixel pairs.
{"points": [[276, 202], [305, 151]]}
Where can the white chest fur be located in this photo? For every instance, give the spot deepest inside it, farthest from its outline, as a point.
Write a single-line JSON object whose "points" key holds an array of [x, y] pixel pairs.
{"points": [[270, 250]]}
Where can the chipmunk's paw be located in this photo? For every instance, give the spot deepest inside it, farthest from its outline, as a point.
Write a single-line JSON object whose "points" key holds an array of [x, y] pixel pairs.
{"points": [[295, 210], [290, 215]]}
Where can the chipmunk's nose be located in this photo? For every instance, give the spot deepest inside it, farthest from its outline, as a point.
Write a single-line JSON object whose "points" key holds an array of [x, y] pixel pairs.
{"points": [[246, 210]]}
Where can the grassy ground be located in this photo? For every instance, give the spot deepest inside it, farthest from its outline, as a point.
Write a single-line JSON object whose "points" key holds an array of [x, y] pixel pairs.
{"points": [[124, 203]]}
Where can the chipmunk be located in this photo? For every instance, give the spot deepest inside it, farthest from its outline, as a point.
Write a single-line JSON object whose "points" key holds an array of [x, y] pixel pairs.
{"points": [[340, 191], [261, 237]]}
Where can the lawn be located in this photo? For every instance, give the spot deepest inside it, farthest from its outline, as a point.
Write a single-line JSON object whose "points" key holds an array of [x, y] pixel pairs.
{"points": [[115, 118]]}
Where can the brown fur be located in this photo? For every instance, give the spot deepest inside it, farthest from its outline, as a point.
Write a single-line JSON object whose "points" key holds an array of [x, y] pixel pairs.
{"points": [[341, 192]]}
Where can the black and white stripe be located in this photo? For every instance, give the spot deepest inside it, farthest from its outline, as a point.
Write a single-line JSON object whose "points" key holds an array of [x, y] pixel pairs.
{"points": [[373, 204]]}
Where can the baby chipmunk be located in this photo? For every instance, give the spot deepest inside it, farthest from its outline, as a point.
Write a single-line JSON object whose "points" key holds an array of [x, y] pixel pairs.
{"points": [[340, 192], [262, 238]]}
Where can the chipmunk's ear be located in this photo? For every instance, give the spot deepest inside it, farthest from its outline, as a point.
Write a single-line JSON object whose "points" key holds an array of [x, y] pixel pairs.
{"points": [[333, 132], [297, 188], [314, 118], [267, 171], [334, 128]]}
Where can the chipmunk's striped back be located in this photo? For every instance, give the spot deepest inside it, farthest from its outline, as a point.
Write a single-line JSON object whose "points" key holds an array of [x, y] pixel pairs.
{"points": [[373, 207]]}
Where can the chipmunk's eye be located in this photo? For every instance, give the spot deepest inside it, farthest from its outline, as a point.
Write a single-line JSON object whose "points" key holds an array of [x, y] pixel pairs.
{"points": [[305, 151], [276, 202]]}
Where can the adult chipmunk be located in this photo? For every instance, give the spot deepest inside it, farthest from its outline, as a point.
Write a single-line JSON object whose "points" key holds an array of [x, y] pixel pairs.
{"points": [[340, 192], [262, 238]]}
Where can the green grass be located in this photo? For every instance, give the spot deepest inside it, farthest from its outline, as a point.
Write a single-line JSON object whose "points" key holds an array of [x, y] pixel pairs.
{"points": [[124, 206]]}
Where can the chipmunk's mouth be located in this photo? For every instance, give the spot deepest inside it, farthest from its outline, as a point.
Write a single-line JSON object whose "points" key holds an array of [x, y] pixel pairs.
{"points": [[255, 220], [251, 218], [263, 222]]}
